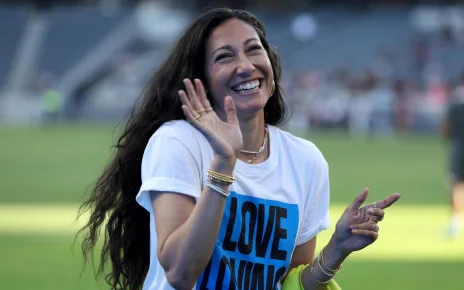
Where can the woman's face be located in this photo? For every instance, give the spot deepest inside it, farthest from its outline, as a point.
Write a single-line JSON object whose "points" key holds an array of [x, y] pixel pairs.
{"points": [[238, 65]]}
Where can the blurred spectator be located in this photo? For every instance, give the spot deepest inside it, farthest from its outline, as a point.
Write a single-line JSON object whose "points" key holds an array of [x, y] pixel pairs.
{"points": [[52, 102], [360, 108], [453, 130], [403, 107], [382, 99]]}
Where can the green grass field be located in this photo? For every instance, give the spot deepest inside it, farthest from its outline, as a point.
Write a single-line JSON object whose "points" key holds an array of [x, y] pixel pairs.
{"points": [[46, 170]]}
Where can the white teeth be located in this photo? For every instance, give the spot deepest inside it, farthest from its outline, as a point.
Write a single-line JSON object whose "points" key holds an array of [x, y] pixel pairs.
{"points": [[247, 86]]}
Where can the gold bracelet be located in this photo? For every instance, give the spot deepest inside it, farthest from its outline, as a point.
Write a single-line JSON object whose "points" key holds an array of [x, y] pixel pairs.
{"points": [[221, 178], [323, 264], [220, 174]]}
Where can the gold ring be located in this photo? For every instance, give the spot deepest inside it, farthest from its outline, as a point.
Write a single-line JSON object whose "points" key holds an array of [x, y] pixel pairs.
{"points": [[200, 111], [196, 117], [209, 109], [374, 204]]}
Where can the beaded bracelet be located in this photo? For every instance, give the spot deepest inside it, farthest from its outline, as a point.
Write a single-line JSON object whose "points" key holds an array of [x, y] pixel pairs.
{"points": [[220, 178]]}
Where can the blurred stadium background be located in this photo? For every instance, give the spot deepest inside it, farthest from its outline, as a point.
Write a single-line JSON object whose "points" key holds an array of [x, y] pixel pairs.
{"points": [[368, 80]]}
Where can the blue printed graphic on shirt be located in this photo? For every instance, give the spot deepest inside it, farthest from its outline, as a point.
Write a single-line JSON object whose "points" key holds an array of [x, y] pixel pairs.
{"points": [[254, 246]]}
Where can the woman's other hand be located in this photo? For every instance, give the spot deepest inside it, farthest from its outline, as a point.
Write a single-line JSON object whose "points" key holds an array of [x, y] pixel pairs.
{"points": [[358, 226]]}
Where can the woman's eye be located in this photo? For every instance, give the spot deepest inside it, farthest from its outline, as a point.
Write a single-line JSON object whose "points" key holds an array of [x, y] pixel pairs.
{"points": [[222, 56], [254, 47]]}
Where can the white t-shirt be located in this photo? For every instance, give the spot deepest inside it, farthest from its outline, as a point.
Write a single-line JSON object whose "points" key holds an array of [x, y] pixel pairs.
{"points": [[274, 206]]}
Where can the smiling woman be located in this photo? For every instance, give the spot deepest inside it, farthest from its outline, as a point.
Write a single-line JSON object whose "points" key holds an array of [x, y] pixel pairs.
{"points": [[205, 191], [238, 65]]}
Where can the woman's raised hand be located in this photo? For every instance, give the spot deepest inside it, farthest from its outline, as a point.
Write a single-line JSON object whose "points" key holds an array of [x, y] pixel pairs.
{"points": [[357, 227], [224, 137]]}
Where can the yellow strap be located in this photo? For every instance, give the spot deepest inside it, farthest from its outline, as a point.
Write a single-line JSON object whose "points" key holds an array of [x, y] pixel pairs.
{"points": [[293, 280]]}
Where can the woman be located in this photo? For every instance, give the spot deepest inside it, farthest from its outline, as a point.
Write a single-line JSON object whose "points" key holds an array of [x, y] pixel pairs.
{"points": [[228, 200]]}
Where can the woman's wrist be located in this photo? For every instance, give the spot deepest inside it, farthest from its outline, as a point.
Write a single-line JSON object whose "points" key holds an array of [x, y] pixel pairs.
{"points": [[334, 255], [223, 165]]}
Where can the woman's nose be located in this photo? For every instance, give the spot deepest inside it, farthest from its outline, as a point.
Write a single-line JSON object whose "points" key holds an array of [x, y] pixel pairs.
{"points": [[244, 66]]}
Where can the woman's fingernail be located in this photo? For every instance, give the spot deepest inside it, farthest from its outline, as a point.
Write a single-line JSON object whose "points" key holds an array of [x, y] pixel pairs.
{"points": [[370, 210], [350, 228]]}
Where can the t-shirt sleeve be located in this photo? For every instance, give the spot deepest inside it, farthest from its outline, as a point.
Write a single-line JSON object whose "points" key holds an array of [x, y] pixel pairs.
{"points": [[316, 217], [168, 165]]}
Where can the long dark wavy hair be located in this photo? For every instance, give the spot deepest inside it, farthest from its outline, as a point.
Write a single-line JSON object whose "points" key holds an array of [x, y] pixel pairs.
{"points": [[112, 203]]}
